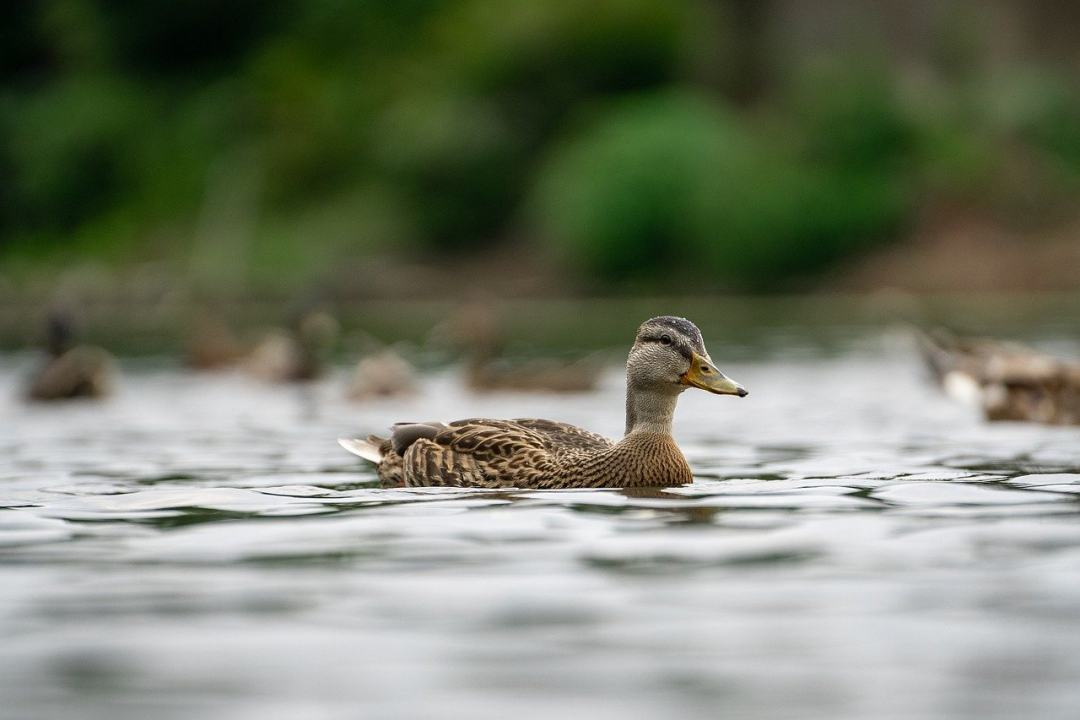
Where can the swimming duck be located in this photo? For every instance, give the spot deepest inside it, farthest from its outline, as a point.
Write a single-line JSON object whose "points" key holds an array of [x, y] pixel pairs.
{"points": [[667, 357], [475, 328], [539, 375], [71, 371], [382, 374], [298, 354], [1007, 381], [212, 344]]}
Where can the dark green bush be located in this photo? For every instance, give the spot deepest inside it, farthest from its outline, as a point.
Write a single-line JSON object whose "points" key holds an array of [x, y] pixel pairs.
{"points": [[674, 183], [1053, 123], [847, 116], [776, 220], [67, 151], [492, 89], [626, 197]]}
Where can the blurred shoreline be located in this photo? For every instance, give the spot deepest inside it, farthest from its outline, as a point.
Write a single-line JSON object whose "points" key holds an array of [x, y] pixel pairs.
{"points": [[767, 161], [538, 325]]}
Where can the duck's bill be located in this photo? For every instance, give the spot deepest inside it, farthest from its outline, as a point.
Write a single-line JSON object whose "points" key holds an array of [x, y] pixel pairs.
{"points": [[703, 374]]}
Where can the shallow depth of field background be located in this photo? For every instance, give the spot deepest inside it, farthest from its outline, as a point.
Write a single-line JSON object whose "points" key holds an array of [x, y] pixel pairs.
{"points": [[176, 152], [808, 181]]}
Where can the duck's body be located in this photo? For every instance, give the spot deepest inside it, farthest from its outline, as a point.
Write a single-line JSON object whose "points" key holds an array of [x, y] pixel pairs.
{"points": [[71, 371], [476, 329], [668, 356], [297, 354], [212, 344], [543, 375], [1007, 381], [81, 372], [383, 374], [525, 453]]}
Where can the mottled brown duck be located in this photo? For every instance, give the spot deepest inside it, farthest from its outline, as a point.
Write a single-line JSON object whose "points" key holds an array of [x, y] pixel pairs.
{"points": [[382, 374], [667, 357], [71, 371], [212, 343], [298, 354], [475, 328], [485, 374], [1006, 380]]}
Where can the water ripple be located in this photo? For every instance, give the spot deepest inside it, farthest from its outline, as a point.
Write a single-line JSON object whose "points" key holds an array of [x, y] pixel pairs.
{"points": [[201, 546]]}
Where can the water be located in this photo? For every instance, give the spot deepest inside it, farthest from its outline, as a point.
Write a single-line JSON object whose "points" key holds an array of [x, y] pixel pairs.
{"points": [[854, 546]]}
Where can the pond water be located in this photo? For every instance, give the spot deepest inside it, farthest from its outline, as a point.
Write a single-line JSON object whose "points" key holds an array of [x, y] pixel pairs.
{"points": [[855, 545]]}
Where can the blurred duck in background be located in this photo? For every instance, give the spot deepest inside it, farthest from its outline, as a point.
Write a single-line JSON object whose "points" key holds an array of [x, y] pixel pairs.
{"points": [[70, 371], [297, 354], [539, 375], [1008, 381], [382, 374], [474, 328], [212, 344]]}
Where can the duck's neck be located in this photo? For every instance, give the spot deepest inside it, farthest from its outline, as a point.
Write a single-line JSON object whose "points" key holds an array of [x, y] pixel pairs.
{"points": [[650, 410]]}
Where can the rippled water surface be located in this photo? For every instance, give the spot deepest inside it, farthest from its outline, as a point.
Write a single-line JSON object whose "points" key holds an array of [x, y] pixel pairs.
{"points": [[854, 546]]}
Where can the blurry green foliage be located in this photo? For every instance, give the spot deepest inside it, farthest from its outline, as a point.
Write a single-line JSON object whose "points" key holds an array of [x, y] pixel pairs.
{"points": [[445, 104], [67, 151], [490, 87], [191, 38], [1050, 118], [674, 183], [624, 198], [848, 117], [275, 139]]}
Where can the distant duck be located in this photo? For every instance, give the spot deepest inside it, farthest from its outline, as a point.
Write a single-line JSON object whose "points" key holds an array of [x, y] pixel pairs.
{"points": [[382, 374], [475, 329], [71, 371], [540, 375], [295, 355], [212, 344], [1006, 380]]}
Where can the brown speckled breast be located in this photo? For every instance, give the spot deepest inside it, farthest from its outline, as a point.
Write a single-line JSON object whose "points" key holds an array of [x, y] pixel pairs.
{"points": [[638, 460]]}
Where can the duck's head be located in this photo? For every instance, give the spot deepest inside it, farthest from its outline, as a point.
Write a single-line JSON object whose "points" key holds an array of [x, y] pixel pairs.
{"points": [[669, 354], [60, 333]]}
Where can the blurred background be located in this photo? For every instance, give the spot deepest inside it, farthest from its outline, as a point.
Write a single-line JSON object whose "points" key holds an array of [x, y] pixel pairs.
{"points": [[435, 210], [159, 155]]}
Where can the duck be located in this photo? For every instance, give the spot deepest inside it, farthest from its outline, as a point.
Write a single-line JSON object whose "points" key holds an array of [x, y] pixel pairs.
{"points": [[1007, 381], [70, 371], [476, 328], [297, 354], [668, 356], [212, 343], [485, 374], [381, 374]]}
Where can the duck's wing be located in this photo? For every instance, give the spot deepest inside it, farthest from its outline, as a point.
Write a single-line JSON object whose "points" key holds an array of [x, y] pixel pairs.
{"points": [[479, 453], [563, 436]]}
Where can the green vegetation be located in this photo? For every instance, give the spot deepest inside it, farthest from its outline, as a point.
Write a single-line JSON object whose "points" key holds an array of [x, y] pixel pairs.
{"points": [[675, 182], [280, 139]]}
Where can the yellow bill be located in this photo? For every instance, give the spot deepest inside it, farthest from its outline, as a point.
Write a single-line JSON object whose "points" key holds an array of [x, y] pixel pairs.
{"points": [[703, 374]]}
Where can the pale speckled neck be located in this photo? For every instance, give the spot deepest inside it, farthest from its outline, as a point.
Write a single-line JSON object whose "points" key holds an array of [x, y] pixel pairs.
{"points": [[650, 411]]}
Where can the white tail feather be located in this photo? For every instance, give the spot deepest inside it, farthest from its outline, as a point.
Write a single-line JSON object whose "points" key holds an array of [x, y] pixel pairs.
{"points": [[367, 450]]}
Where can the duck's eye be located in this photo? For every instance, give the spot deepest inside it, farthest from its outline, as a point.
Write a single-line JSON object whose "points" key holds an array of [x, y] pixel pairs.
{"points": [[665, 339]]}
